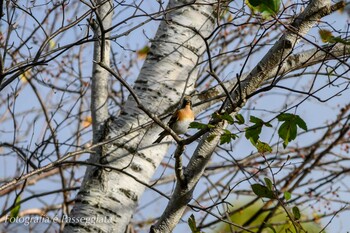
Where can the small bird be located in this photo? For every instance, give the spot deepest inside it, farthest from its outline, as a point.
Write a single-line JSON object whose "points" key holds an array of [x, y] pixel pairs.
{"points": [[180, 120]]}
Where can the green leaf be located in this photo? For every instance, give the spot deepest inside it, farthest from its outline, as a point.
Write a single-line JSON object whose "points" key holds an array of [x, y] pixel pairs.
{"points": [[253, 132], [327, 37], [287, 196], [192, 224], [268, 183], [271, 227], [301, 123], [211, 137], [224, 139], [285, 116], [273, 5], [340, 40], [267, 124], [262, 191], [296, 212], [228, 118], [288, 130], [265, 7], [256, 120], [15, 211], [254, 3], [240, 119], [227, 137], [225, 116], [198, 125], [263, 147]]}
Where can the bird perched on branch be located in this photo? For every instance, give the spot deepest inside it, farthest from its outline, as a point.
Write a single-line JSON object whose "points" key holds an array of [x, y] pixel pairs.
{"points": [[180, 120]]}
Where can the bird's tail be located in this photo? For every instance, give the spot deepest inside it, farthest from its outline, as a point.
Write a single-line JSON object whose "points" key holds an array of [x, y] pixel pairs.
{"points": [[161, 137]]}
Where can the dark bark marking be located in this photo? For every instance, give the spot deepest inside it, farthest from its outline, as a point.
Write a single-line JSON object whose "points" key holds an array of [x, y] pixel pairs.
{"points": [[129, 194]]}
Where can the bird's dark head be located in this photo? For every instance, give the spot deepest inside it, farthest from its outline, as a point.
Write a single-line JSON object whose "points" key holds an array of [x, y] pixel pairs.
{"points": [[187, 101]]}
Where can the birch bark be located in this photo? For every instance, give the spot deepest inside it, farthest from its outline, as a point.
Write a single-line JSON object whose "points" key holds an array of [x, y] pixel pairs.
{"points": [[166, 75]]}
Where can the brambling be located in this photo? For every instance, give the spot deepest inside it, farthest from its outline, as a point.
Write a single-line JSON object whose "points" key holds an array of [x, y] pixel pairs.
{"points": [[180, 120]]}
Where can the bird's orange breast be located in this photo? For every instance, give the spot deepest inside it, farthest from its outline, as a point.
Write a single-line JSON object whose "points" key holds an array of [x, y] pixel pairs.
{"points": [[185, 114]]}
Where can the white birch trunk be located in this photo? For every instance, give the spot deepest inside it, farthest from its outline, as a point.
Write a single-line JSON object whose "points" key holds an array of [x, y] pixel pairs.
{"points": [[100, 76], [164, 77]]}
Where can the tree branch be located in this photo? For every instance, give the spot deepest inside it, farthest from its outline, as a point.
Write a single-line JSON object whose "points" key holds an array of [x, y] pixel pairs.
{"points": [[268, 67]]}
